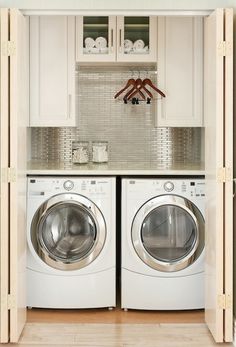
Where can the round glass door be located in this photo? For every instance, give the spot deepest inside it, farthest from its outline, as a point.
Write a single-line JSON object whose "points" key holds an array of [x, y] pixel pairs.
{"points": [[67, 233], [168, 233]]}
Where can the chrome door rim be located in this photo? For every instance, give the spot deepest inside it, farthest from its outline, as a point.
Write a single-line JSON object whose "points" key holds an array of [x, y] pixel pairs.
{"points": [[144, 255], [93, 211]]}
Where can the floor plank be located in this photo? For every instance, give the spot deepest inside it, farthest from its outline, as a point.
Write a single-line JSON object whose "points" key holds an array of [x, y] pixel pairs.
{"points": [[116, 335]]}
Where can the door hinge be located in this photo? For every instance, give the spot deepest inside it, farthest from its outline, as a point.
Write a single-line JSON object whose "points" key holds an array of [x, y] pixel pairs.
{"points": [[11, 175], [225, 301], [4, 175], [11, 302], [224, 175], [8, 175], [225, 48], [8, 48]]}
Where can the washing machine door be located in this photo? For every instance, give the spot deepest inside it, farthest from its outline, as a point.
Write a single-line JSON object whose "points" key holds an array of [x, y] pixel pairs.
{"points": [[68, 231], [168, 233]]}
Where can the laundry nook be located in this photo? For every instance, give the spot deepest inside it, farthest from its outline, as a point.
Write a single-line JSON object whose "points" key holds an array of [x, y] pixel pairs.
{"points": [[117, 173]]}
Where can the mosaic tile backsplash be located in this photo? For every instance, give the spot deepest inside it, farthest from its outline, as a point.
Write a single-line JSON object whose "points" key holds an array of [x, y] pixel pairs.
{"points": [[129, 129]]}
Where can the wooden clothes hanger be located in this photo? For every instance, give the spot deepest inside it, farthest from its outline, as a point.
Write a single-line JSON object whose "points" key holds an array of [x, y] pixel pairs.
{"points": [[130, 82], [136, 89], [137, 86], [134, 92], [149, 82]]}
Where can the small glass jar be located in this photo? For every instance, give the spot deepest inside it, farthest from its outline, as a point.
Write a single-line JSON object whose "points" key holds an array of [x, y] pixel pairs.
{"points": [[100, 152], [80, 152]]}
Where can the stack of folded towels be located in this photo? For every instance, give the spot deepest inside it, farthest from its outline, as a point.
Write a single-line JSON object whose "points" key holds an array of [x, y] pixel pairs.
{"points": [[136, 47], [99, 45]]}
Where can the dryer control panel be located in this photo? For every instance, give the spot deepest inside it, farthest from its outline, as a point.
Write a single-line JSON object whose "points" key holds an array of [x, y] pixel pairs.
{"points": [[194, 188]]}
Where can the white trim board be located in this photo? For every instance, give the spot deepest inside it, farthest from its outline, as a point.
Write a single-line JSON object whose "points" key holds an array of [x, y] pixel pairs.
{"points": [[93, 12]]}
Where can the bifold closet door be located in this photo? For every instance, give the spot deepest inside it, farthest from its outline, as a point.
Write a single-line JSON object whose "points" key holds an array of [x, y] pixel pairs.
{"points": [[19, 105], [218, 115], [4, 186]]}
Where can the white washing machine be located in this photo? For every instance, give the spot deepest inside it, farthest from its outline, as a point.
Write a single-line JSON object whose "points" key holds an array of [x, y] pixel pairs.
{"points": [[162, 244], [71, 242]]}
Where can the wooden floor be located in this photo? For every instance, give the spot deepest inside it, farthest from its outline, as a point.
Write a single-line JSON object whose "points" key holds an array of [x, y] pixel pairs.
{"points": [[103, 328], [116, 335], [115, 316]]}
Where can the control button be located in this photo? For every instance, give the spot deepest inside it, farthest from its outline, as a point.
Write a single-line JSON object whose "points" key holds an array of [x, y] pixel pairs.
{"points": [[68, 185], [168, 186]]}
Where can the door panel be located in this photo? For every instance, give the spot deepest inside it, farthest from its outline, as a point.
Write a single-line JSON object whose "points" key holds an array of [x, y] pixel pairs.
{"points": [[228, 321], [214, 144], [19, 114], [218, 160], [4, 188]]}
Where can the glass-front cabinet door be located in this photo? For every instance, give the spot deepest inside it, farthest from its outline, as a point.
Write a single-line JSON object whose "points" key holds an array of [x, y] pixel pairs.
{"points": [[136, 38], [95, 38]]}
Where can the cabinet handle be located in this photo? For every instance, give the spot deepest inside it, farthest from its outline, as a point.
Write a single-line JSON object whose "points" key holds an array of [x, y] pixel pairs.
{"points": [[120, 41], [69, 106], [112, 43]]}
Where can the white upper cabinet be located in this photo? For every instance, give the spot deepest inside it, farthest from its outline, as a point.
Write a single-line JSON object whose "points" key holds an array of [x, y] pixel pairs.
{"points": [[180, 71], [52, 71], [121, 38]]}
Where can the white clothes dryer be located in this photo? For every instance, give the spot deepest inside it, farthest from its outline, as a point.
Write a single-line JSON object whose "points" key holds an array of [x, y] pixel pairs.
{"points": [[71, 242], [163, 241]]}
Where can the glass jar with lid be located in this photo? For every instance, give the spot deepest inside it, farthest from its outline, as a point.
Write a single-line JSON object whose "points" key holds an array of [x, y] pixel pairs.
{"points": [[100, 151], [80, 152]]}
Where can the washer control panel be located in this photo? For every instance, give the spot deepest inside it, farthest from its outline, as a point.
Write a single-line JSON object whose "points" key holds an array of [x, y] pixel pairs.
{"points": [[44, 186], [68, 185], [169, 186]]}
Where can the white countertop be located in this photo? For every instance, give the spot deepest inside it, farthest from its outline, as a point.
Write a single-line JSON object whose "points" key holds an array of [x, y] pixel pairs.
{"points": [[111, 169]]}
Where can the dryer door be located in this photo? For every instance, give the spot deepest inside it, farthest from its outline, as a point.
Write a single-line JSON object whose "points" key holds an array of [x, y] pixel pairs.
{"points": [[68, 231], [168, 233]]}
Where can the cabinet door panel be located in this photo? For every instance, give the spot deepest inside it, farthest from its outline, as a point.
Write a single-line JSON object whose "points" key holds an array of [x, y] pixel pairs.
{"points": [[88, 30], [52, 70], [180, 71], [141, 32]]}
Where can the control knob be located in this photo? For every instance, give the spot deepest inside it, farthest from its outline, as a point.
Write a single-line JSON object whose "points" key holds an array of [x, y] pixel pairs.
{"points": [[168, 186], [68, 185]]}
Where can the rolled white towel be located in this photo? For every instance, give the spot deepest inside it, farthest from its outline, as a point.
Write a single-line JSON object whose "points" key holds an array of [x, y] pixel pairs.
{"points": [[128, 45], [139, 45], [89, 42], [101, 42]]}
